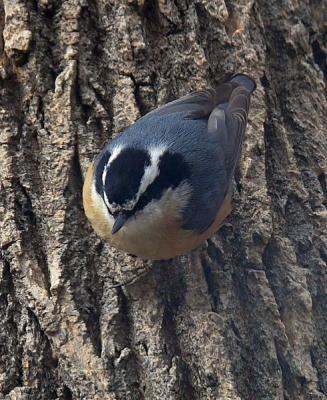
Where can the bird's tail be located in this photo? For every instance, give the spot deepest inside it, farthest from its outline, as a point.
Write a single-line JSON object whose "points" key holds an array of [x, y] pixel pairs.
{"points": [[245, 81]]}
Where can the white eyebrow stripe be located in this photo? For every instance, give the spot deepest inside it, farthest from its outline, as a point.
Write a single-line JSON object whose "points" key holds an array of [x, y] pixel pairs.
{"points": [[104, 173], [114, 154], [152, 171], [106, 200]]}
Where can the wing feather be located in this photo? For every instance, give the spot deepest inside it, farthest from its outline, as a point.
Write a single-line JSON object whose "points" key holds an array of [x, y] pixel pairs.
{"points": [[198, 104], [229, 124], [226, 125]]}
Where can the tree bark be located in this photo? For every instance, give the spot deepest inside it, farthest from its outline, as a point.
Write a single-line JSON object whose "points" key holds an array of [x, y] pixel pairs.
{"points": [[245, 316]]}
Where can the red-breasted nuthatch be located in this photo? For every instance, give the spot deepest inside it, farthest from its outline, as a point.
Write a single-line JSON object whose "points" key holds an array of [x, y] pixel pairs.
{"points": [[163, 186]]}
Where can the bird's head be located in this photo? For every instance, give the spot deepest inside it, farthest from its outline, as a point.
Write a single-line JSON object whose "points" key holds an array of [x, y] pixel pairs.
{"points": [[128, 179]]}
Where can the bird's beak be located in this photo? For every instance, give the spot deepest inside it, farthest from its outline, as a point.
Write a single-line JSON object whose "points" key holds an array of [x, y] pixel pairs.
{"points": [[119, 222]]}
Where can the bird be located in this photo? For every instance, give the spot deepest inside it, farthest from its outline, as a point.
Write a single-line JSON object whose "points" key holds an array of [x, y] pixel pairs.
{"points": [[164, 185]]}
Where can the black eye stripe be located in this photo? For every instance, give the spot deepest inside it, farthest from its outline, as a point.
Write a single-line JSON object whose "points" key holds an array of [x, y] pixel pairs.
{"points": [[124, 176], [125, 173], [173, 169]]}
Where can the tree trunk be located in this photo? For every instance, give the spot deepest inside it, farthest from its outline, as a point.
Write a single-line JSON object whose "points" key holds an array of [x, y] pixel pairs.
{"points": [[245, 316]]}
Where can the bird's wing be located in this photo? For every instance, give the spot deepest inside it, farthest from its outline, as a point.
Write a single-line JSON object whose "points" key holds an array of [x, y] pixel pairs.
{"points": [[201, 103], [198, 104], [226, 127]]}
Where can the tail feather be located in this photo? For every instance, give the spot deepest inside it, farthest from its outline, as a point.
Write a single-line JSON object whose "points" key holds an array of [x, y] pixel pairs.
{"points": [[245, 81]]}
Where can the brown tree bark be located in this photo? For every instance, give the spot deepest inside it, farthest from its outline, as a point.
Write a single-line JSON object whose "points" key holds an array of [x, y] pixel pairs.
{"points": [[245, 316]]}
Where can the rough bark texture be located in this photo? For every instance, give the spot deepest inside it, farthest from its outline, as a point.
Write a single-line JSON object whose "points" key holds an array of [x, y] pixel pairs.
{"points": [[245, 317]]}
